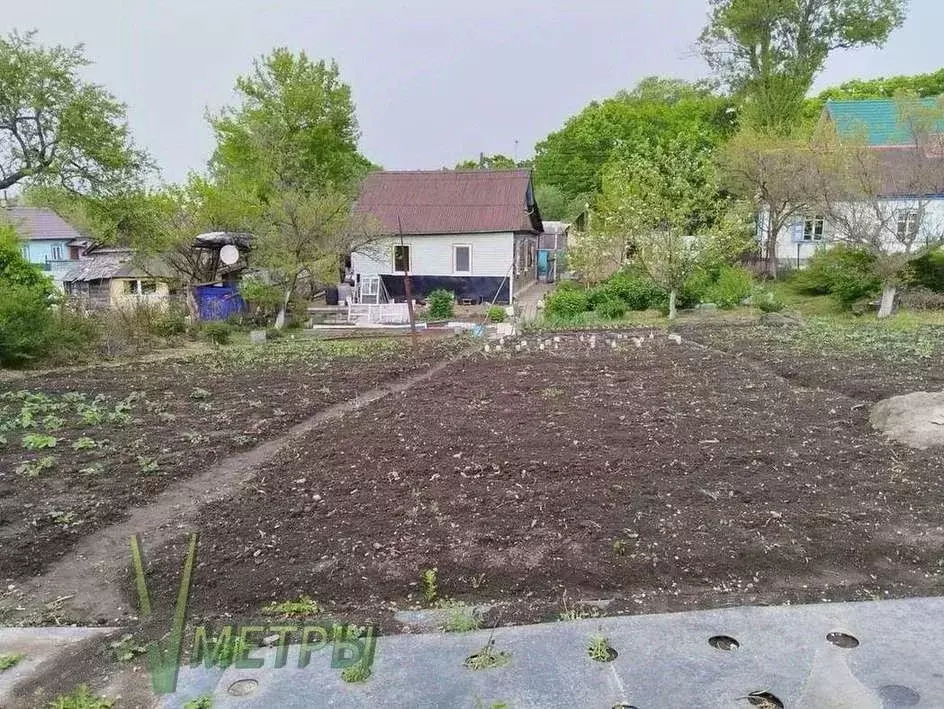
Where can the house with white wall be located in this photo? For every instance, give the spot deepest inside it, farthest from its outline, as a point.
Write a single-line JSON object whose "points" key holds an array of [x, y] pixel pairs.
{"points": [[48, 240], [903, 167], [471, 232]]}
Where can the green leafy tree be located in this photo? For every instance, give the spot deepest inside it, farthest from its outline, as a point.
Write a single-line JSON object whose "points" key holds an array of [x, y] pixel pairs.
{"points": [[655, 112], [492, 162], [25, 293], [554, 204], [770, 51], [668, 207], [56, 128], [295, 128]]}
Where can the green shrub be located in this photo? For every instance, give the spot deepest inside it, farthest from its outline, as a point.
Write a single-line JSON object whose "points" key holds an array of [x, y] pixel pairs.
{"points": [[441, 304], [927, 271], [170, 322], [636, 290], [846, 273], [568, 303], [768, 302], [26, 322], [569, 285], [219, 333], [497, 314], [610, 309], [730, 286]]}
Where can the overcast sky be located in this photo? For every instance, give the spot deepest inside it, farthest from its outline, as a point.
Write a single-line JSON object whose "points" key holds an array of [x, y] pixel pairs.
{"points": [[435, 81]]}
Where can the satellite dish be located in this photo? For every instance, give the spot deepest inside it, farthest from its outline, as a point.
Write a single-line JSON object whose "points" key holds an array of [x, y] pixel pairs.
{"points": [[229, 254]]}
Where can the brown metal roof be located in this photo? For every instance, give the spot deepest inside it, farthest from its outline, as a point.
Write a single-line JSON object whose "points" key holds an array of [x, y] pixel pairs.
{"points": [[451, 201]]}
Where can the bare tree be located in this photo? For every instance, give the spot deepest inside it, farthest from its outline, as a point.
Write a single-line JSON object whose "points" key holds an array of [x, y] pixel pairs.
{"points": [[880, 200]]}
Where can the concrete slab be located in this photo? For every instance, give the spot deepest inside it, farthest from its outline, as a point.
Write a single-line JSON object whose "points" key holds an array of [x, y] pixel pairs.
{"points": [[664, 662], [39, 646]]}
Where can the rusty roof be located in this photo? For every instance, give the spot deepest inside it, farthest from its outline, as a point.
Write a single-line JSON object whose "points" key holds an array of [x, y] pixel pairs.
{"points": [[451, 201]]}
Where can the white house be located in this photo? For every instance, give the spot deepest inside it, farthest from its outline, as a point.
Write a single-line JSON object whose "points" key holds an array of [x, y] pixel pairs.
{"points": [[904, 177], [472, 232]]}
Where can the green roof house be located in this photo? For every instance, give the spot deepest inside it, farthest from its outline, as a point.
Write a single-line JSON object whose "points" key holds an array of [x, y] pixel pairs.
{"points": [[882, 123]]}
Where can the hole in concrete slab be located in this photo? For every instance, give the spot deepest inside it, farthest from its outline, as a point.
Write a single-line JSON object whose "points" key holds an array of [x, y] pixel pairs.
{"points": [[764, 700], [623, 705], [842, 640], [724, 642], [895, 696], [243, 687]]}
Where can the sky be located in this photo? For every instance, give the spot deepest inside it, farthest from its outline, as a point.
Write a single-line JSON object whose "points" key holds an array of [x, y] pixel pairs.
{"points": [[435, 81]]}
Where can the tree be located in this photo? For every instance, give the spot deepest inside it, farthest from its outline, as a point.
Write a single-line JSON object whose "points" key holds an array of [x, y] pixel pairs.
{"points": [[301, 234], [57, 129], [492, 162], [25, 293], [770, 51], [777, 174], [668, 208], [295, 128], [573, 158], [878, 201]]}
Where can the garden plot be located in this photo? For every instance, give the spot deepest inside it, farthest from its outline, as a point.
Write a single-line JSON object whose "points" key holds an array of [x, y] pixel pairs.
{"points": [[79, 449], [655, 474]]}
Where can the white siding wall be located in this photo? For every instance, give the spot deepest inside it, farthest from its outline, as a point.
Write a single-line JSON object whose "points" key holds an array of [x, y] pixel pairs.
{"points": [[791, 247], [492, 255]]}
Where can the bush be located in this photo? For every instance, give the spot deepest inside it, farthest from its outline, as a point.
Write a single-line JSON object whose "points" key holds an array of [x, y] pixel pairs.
{"points": [[846, 273], [567, 303], [569, 285], [611, 309], [638, 291], [767, 302], [26, 322], [170, 322], [219, 333], [919, 298], [440, 304], [927, 271], [729, 287], [497, 314]]}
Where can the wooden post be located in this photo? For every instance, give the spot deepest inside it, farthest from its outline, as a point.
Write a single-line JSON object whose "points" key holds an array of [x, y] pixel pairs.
{"points": [[408, 289]]}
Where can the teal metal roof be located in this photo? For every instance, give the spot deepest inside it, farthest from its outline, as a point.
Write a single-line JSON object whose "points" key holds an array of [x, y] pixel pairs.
{"points": [[879, 121]]}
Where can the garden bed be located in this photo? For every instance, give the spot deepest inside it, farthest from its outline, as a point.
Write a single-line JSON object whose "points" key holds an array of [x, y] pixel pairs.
{"points": [[80, 448], [662, 476]]}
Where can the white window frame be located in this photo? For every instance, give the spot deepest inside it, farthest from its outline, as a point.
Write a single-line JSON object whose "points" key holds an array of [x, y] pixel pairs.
{"points": [[55, 252], [455, 260], [812, 225], [908, 224], [25, 251], [409, 258]]}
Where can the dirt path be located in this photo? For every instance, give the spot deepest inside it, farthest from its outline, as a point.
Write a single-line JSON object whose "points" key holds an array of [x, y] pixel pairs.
{"points": [[93, 576]]}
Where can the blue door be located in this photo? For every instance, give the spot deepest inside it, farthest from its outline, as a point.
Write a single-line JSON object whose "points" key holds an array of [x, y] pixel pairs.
{"points": [[543, 264]]}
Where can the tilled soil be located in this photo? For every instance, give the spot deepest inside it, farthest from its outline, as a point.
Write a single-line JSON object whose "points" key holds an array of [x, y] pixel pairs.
{"points": [[666, 476], [184, 416]]}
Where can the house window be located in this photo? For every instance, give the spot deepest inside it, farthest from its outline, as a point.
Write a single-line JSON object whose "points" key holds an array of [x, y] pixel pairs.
{"points": [[130, 287], [25, 251], [908, 222], [814, 228], [56, 253], [462, 258], [148, 287], [401, 258]]}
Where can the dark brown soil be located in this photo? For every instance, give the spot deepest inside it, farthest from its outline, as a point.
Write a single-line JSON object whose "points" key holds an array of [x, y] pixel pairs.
{"points": [[666, 477], [184, 416]]}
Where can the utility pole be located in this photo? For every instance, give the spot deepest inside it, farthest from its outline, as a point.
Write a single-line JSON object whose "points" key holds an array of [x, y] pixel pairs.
{"points": [[408, 288]]}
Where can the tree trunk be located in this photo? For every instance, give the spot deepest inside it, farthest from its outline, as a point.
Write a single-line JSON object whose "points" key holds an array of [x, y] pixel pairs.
{"points": [[770, 265], [192, 307], [673, 297], [889, 291], [283, 308]]}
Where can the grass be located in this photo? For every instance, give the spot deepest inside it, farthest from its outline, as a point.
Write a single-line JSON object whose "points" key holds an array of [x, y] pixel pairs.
{"points": [[488, 658], [599, 649], [430, 591], [359, 672], [460, 618], [81, 698], [303, 606], [204, 702], [9, 660]]}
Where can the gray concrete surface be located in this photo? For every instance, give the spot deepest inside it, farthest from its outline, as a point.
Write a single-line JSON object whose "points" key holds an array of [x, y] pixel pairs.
{"points": [[40, 647], [664, 662]]}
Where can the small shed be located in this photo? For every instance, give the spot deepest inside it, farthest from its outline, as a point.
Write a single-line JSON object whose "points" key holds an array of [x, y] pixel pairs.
{"points": [[113, 278]]}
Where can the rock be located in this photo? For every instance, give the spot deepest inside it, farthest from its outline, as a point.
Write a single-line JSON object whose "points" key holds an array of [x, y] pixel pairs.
{"points": [[780, 320], [677, 339], [917, 420], [257, 337], [706, 306]]}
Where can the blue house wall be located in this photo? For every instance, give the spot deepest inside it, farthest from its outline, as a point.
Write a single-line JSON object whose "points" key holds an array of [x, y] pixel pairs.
{"points": [[41, 251]]}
